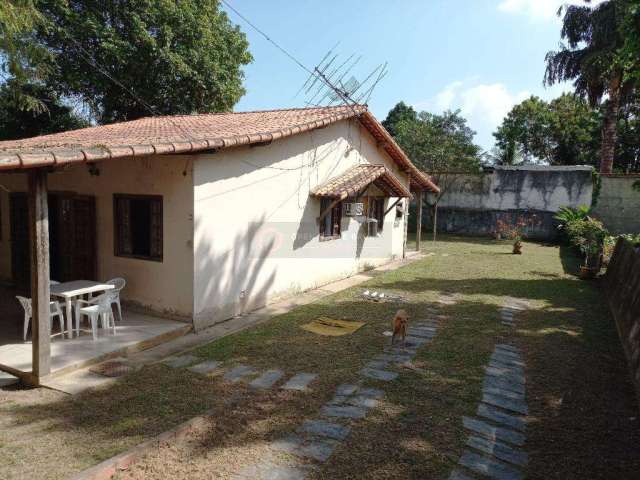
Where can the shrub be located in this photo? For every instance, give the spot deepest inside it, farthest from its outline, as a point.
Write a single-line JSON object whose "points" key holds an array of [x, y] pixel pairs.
{"points": [[588, 235]]}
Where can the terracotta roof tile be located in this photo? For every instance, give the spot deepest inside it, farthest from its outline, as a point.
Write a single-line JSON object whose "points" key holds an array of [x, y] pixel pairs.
{"points": [[191, 133], [357, 178]]}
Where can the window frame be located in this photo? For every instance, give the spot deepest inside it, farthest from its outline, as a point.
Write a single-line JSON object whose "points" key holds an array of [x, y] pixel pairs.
{"points": [[335, 211], [376, 211], [117, 226]]}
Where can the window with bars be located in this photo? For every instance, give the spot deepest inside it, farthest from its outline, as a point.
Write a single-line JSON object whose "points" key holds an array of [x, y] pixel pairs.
{"points": [[330, 225], [138, 226]]}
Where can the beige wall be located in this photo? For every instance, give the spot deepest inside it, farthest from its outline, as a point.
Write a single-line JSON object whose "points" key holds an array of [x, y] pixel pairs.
{"points": [[166, 286], [256, 236]]}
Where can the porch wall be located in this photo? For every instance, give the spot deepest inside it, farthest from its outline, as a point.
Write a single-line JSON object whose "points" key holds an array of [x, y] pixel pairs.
{"points": [[164, 287], [256, 236]]}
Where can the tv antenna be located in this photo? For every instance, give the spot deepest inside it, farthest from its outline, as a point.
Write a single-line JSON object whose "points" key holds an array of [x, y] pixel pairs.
{"points": [[332, 82]]}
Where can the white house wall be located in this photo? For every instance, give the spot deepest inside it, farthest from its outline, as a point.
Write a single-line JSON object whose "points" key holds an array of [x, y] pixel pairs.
{"points": [[165, 287], [256, 235]]}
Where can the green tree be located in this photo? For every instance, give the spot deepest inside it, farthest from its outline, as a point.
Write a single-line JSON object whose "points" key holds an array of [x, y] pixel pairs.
{"points": [[125, 60], [401, 112], [23, 60], [594, 58], [525, 132], [18, 122], [441, 145]]}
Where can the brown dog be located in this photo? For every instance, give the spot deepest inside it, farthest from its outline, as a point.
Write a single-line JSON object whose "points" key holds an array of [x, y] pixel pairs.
{"points": [[400, 325]]}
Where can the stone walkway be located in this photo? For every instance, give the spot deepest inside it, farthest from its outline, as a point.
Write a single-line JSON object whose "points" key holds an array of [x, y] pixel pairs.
{"points": [[317, 438], [512, 307], [496, 437]]}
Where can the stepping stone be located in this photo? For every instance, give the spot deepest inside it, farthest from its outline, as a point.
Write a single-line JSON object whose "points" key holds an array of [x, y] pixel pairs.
{"points": [[377, 365], [385, 357], [205, 367], [459, 475], [508, 348], [501, 392], [362, 401], [493, 433], [374, 374], [371, 393], [346, 389], [498, 416], [270, 471], [489, 467], [506, 403], [181, 361], [238, 373], [507, 355], [511, 368], [415, 341], [300, 381], [499, 450], [510, 361], [414, 332], [317, 448], [322, 428], [496, 382], [267, 379], [344, 411], [504, 374]]}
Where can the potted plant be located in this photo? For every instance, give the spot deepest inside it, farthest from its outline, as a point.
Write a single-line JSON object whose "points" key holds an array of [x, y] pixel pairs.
{"points": [[514, 230], [589, 236]]}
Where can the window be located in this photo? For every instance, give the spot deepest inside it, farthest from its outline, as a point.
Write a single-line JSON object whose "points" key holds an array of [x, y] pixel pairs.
{"points": [[138, 226], [376, 212], [330, 224]]}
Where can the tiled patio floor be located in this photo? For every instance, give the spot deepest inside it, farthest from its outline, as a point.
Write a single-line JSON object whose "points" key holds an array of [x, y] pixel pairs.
{"points": [[68, 354]]}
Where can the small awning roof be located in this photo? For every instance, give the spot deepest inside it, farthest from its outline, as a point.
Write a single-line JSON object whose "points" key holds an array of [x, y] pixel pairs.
{"points": [[352, 182]]}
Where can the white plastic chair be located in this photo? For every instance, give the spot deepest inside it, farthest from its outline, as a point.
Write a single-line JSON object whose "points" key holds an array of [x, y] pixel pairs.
{"points": [[54, 311], [119, 283], [98, 308]]}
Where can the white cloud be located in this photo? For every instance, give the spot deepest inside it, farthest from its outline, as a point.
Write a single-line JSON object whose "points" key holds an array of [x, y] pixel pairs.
{"points": [[483, 105], [538, 9]]}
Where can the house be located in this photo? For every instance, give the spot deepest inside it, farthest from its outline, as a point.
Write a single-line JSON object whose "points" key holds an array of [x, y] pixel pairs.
{"points": [[206, 216]]}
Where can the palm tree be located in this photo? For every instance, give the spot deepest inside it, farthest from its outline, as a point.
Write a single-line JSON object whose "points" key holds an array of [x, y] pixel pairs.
{"points": [[590, 59]]}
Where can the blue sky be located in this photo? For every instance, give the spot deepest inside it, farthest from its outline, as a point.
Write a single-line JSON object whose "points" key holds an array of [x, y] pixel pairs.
{"points": [[481, 56]]}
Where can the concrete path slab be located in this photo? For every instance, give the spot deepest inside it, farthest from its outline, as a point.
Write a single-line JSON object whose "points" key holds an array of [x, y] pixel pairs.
{"points": [[267, 379], [500, 450], [238, 373], [322, 428], [493, 433], [205, 368], [300, 382], [180, 361], [501, 417], [489, 467]]}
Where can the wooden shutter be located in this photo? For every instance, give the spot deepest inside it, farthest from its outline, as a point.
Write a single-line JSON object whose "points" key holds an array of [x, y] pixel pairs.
{"points": [[156, 228], [122, 223]]}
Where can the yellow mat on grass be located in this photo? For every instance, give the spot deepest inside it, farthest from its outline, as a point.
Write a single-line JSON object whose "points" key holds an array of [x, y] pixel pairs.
{"points": [[331, 327]]}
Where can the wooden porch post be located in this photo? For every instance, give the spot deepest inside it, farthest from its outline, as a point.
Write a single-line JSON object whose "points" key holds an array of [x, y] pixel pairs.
{"points": [[40, 296], [419, 220]]}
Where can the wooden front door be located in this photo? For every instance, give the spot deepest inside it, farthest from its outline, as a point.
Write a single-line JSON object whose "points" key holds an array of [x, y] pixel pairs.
{"points": [[72, 238], [20, 245]]}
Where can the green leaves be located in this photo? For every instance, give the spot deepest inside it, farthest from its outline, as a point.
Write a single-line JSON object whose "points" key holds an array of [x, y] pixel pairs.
{"points": [[176, 57]]}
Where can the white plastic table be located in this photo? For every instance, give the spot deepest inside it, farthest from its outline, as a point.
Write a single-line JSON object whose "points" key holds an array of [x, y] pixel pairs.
{"points": [[76, 288]]}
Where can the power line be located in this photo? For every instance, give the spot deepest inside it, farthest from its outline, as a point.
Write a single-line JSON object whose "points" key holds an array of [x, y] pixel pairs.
{"points": [[269, 39]]}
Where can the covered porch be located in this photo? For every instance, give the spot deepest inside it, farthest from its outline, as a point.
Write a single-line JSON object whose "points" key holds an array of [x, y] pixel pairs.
{"points": [[51, 234], [136, 331]]}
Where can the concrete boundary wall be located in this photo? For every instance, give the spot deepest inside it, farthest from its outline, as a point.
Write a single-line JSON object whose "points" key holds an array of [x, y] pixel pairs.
{"points": [[618, 204], [473, 203]]}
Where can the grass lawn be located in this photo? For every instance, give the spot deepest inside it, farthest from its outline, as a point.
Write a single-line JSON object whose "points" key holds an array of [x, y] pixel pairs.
{"points": [[583, 412]]}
